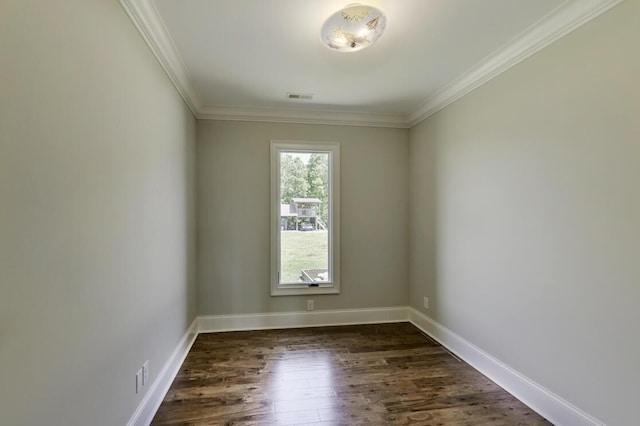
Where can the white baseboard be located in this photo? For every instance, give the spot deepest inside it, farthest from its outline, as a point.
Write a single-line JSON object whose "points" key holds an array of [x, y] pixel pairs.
{"points": [[546, 403], [217, 323], [541, 400], [159, 388]]}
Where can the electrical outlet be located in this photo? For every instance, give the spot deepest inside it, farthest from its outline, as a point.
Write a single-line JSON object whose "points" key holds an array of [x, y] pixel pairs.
{"points": [[310, 306], [425, 302], [145, 373], [138, 380]]}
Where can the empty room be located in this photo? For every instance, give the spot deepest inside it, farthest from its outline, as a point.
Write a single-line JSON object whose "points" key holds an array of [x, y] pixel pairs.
{"points": [[279, 212]]}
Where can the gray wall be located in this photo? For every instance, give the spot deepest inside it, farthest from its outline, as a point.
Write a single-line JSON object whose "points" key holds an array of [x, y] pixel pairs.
{"points": [[525, 208], [233, 216], [523, 202], [96, 213]]}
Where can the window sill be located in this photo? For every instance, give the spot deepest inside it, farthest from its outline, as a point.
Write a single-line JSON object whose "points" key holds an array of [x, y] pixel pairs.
{"points": [[304, 291]]}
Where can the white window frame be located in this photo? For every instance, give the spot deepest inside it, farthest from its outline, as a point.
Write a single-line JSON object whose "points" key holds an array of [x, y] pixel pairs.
{"points": [[333, 149]]}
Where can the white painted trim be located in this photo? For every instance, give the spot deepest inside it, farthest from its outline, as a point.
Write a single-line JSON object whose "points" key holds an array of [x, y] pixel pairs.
{"points": [[569, 16], [160, 386], [217, 323], [560, 22], [332, 149], [303, 116], [145, 17], [557, 410], [546, 403]]}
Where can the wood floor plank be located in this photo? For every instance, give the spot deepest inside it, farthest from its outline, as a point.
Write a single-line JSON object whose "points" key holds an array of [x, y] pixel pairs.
{"points": [[379, 374]]}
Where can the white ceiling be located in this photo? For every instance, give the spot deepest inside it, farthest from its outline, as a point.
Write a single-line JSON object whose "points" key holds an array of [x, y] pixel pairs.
{"points": [[237, 59]]}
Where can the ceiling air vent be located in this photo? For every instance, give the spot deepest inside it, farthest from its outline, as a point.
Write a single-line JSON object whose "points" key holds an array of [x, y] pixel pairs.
{"points": [[299, 96]]}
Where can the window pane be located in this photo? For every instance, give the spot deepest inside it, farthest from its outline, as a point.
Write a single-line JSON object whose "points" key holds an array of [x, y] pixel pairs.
{"points": [[304, 217]]}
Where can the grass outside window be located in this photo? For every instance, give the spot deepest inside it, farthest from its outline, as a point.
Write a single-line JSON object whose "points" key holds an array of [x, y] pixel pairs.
{"points": [[302, 250]]}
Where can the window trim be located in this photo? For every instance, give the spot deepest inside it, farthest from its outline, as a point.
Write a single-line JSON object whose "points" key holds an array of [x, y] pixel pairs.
{"points": [[333, 148]]}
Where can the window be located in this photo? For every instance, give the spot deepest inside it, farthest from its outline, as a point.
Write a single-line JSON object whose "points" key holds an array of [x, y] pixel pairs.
{"points": [[305, 219]]}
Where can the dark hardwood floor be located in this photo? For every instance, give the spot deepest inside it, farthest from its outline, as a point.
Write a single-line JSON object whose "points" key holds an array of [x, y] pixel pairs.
{"points": [[379, 374]]}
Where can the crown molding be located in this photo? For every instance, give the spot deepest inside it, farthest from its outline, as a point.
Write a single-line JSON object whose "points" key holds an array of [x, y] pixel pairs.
{"points": [[303, 116], [147, 20], [569, 16], [560, 22]]}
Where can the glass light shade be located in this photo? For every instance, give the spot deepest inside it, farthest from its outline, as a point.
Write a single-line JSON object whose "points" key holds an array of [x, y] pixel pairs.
{"points": [[353, 28]]}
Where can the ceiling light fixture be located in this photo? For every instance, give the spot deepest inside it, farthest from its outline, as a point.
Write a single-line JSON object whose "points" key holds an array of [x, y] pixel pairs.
{"points": [[353, 28]]}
